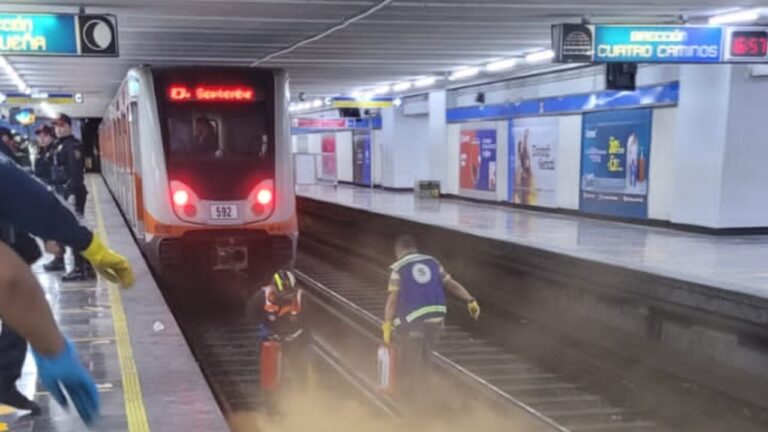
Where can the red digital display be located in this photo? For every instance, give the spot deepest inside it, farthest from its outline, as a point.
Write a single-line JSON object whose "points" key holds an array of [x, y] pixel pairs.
{"points": [[749, 44], [211, 93]]}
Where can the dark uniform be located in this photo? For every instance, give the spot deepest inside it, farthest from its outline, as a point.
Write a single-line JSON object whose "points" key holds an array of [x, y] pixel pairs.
{"points": [[69, 165], [26, 204]]}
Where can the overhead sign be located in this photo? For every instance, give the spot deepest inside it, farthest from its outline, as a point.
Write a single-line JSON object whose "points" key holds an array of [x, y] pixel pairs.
{"points": [[323, 123], [582, 43], [58, 34], [29, 99], [377, 102]]}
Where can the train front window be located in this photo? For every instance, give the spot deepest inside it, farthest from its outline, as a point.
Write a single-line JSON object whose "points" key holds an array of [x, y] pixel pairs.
{"points": [[216, 134]]}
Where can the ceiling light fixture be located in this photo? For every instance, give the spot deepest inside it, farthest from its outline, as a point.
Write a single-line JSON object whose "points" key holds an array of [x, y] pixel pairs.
{"points": [[15, 77], [425, 82], [467, 72], [382, 90], [740, 16], [317, 103], [402, 86], [48, 110], [501, 65], [540, 56]]}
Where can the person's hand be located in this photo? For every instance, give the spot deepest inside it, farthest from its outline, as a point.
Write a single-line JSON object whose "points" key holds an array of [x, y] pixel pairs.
{"points": [[386, 331], [474, 309], [64, 372], [113, 266]]}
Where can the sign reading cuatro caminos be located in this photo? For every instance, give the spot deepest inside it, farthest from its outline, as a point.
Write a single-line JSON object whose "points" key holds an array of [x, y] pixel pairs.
{"points": [[586, 43], [58, 34]]}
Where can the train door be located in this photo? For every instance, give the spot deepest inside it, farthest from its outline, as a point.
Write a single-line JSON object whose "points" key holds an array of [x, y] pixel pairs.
{"points": [[137, 201]]}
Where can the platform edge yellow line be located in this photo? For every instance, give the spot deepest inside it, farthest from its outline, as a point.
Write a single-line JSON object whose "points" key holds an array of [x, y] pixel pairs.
{"points": [[134, 400]]}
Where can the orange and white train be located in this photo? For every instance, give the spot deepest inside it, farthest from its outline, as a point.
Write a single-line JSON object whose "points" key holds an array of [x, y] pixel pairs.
{"points": [[199, 161]]}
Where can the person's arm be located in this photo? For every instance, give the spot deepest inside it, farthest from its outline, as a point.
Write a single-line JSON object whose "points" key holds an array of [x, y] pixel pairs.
{"points": [[23, 305], [457, 289], [390, 309], [28, 205]]}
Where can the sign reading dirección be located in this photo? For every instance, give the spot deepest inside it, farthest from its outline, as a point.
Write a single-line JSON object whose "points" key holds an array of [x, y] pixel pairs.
{"points": [[584, 43], [58, 34]]}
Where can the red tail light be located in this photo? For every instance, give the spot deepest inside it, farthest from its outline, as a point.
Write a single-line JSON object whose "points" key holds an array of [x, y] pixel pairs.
{"points": [[264, 197], [180, 197], [184, 200]]}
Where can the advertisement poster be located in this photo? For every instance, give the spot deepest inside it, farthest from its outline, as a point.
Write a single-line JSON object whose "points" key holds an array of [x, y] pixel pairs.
{"points": [[328, 156], [361, 152], [533, 161], [477, 157], [615, 153]]}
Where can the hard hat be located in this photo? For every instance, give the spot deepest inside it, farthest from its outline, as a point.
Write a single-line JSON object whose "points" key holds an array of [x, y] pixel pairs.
{"points": [[284, 281]]}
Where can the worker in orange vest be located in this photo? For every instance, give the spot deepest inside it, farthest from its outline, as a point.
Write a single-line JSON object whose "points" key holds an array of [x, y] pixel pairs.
{"points": [[280, 310]]}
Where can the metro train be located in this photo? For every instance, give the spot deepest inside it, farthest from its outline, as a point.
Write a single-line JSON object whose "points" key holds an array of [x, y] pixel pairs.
{"points": [[199, 161]]}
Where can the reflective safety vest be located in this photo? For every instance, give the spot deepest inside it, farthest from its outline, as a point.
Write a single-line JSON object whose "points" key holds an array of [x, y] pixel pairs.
{"points": [[422, 294], [285, 320]]}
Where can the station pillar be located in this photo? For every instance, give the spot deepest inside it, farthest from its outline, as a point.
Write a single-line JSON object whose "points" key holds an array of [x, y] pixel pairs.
{"points": [[721, 151]]}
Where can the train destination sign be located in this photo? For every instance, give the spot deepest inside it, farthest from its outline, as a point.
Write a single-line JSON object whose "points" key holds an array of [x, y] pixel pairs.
{"points": [[58, 34], [585, 43]]}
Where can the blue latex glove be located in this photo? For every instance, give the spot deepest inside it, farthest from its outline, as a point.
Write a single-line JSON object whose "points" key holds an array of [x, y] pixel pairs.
{"points": [[65, 370]]}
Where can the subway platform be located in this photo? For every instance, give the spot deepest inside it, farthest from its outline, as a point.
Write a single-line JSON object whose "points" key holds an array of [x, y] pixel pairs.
{"points": [[128, 339], [723, 274]]}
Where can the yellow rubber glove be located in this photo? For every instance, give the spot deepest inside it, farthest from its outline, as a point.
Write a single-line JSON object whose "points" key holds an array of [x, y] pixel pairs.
{"points": [[474, 309], [386, 331], [113, 266]]}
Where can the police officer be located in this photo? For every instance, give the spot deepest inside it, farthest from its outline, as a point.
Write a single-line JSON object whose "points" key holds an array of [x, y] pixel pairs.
{"points": [[69, 161], [44, 160], [27, 204], [46, 137], [8, 145], [416, 305]]}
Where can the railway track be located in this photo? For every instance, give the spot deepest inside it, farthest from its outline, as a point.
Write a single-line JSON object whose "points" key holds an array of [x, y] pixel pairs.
{"points": [[552, 401]]}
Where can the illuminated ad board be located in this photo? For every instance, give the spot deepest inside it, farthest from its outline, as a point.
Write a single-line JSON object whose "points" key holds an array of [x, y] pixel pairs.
{"points": [[58, 34], [582, 43]]}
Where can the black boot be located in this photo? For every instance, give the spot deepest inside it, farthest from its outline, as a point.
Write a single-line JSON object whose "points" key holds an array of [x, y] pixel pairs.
{"points": [[83, 272], [13, 397], [55, 265]]}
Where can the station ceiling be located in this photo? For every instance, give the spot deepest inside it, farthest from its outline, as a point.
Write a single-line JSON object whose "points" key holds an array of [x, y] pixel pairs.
{"points": [[401, 40]]}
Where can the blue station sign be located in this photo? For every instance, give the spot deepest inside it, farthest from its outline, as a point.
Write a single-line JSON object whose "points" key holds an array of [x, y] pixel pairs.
{"points": [[58, 34], [586, 43], [632, 44]]}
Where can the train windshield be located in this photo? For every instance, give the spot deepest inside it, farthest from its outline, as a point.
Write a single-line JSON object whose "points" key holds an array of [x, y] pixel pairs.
{"points": [[218, 128]]}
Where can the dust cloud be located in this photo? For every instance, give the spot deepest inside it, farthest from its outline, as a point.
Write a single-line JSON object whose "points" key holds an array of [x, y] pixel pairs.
{"points": [[318, 411]]}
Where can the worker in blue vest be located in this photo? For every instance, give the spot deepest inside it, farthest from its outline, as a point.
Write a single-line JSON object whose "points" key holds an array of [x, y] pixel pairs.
{"points": [[416, 305]]}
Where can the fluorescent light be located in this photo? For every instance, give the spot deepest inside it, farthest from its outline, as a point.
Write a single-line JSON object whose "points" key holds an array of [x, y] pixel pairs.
{"points": [[356, 95], [467, 72], [367, 95], [540, 56], [317, 103], [11, 72], [740, 16], [382, 90], [501, 65], [48, 110], [425, 82], [292, 107], [402, 86]]}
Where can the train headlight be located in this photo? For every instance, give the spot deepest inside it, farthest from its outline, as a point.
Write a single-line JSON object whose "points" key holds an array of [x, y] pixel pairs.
{"points": [[181, 198], [185, 201]]}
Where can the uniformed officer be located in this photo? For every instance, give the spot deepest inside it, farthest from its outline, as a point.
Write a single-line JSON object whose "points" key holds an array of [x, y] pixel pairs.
{"points": [[46, 137], [27, 204], [44, 160], [8, 145], [69, 160], [416, 305]]}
